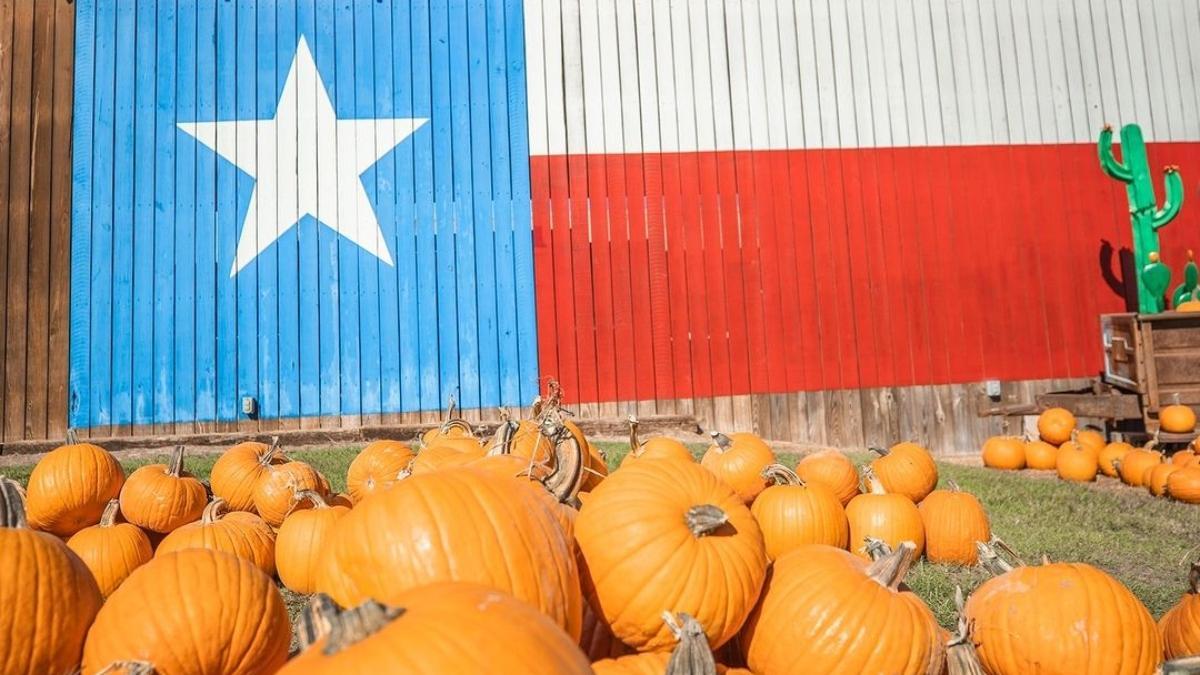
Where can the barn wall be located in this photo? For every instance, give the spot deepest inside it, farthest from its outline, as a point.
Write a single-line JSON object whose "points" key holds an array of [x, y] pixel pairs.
{"points": [[36, 58]]}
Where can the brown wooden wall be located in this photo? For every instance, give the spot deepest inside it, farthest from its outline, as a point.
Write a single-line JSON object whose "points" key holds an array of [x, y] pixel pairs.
{"points": [[36, 65]]}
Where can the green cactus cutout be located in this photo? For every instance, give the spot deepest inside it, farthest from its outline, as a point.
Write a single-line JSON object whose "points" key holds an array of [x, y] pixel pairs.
{"points": [[1156, 278], [1143, 204], [1191, 280]]}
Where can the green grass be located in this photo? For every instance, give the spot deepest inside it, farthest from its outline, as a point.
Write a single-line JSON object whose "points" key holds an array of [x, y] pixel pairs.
{"points": [[1145, 542]]}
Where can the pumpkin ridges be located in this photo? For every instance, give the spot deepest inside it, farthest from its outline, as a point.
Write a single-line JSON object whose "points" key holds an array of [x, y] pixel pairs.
{"points": [[69, 487], [738, 460], [376, 467], [907, 469], [238, 469], [111, 550], [1181, 624], [887, 516], [1004, 452], [953, 521], [792, 513], [832, 468], [162, 497], [238, 533], [300, 544]]}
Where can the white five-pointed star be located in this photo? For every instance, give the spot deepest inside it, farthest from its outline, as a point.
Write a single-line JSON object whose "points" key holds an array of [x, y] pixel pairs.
{"points": [[305, 162]]}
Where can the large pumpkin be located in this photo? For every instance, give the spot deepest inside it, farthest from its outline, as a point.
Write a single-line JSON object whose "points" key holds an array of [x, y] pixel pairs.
{"points": [[194, 612], [738, 460], [161, 497], [455, 525], [111, 550], [70, 487], [275, 494], [1177, 419], [1184, 485], [1004, 452], [825, 611], [238, 469], [792, 514], [1055, 425], [879, 514], [1070, 615], [1135, 465], [376, 467], [1111, 456], [657, 447], [301, 543], [1041, 456], [239, 533], [447, 627], [661, 519], [1077, 462], [832, 469], [1181, 624], [953, 521], [907, 469], [48, 596]]}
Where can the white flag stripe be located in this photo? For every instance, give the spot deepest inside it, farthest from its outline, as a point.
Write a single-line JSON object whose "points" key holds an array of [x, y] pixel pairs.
{"points": [[779, 74]]}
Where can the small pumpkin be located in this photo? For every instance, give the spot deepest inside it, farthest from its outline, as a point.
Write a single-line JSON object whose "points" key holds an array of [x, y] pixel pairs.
{"points": [[879, 514], [1180, 626], [446, 627], [376, 467], [1091, 439], [1185, 457], [1177, 418], [792, 513], [1077, 462], [691, 656], [70, 487], [657, 447], [834, 470], [1135, 465], [161, 497], [954, 521], [738, 460], [238, 469], [1055, 425], [1111, 455], [1040, 456], [825, 611], [300, 545], [241, 534], [662, 519], [907, 469], [192, 612], [1184, 485], [1156, 483], [452, 427], [111, 550], [1004, 452], [275, 494], [48, 595]]}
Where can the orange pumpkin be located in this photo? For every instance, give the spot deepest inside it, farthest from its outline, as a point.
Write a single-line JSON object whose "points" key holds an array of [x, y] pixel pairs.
{"points": [[493, 633], [879, 514], [1177, 418], [1077, 462], [658, 447], [275, 495], [459, 524], [1180, 626], [953, 521], [300, 545], [239, 533], [48, 595], [452, 427], [595, 468], [1192, 305], [1029, 617], [70, 487], [738, 460], [1091, 439], [444, 455], [190, 613], [1185, 457], [376, 467], [1055, 425], [907, 469], [1159, 474], [690, 656], [825, 611], [1041, 456], [1111, 455], [1004, 452], [1184, 485], [161, 498], [238, 469], [832, 469], [671, 520], [1135, 465], [111, 550], [792, 514]]}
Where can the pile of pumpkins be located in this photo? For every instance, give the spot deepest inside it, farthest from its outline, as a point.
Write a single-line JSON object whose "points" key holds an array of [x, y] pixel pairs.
{"points": [[1081, 455], [521, 553]]}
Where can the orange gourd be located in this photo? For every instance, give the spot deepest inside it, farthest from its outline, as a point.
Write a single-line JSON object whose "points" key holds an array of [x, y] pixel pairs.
{"points": [[738, 460], [832, 469], [792, 514], [193, 612], [1184, 485], [70, 487], [238, 469], [300, 544], [1156, 483], [161, 498], [877, 513], [48, 595], [907, 469], [444, 455], [1077, 462], [1180, 626], [1177, 418], [377, 467], [1091, 439], [1185, 457], [657, 447], [953, 521], [241, 534], [1041, 456], [1135, 465], [661, 519], [275, 494], [1055, 425], [111, 550], [1111, 455], [1004, 452]]}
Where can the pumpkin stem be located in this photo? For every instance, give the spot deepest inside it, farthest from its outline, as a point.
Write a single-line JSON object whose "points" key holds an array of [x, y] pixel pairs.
{"points": [[355, 625], [12, 504], [692, 656], [882, 452], [871, 482], [889, 571], [176, 468], [724, 443], [953, 485], [72, 436], [990, 560], [109, 517], [1182, 666], [316, 621], [961, 656], [876, 548], [213, 511], [779, 474], [1153, 443], [312, 496], [567, 478], [705, 519], [634, 442], [128, 668], [501, 443], [271, 453]]}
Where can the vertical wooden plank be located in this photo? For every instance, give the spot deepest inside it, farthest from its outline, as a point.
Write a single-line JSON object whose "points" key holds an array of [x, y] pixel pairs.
{"points": [[60, 221], [101, 342], [207, 284], [124, 162], [7, 23], [145, 145], [341, 84], [364, 104], [447, 302], [502, 348], [428, 151], [288, 382], [173, 29], [83, 124], [20, 160], [266, 73]]}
